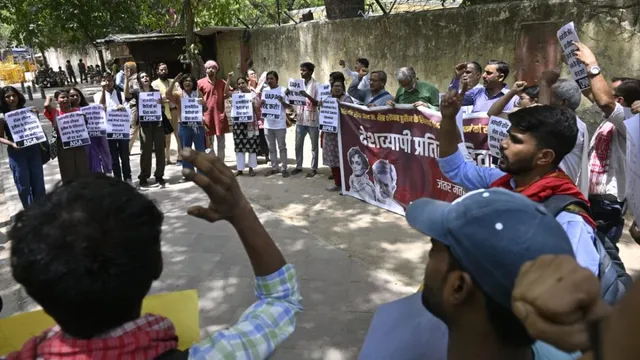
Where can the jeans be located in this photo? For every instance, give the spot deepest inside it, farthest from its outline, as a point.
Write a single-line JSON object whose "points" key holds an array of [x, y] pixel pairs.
{"points": [[279, 136], [301, 133], [608, 215], [26, 166], [151, 140], [120, 152], [189, 136]]}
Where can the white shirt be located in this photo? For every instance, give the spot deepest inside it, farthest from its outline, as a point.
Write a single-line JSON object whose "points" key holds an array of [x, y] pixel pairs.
{"points": [[364, 84], [111, 99], [576, 163], [282, 122], [615, 177]]}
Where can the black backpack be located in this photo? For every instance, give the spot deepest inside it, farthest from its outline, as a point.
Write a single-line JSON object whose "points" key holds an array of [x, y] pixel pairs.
{"points": [[174, 354], [614, 280]]}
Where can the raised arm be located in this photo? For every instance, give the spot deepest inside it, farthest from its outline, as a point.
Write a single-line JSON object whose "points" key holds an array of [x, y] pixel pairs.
{"points": [[355, 92], [127, 92], [602, 94], [449, 135], [548, 78], [498, 107], [174, 96], [227, 88]]}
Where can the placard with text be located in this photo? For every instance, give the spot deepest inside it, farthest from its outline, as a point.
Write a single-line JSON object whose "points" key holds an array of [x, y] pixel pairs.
{"points": [[118, 124], [25, 127], [96, 120], [149, 108], [73, 130]]}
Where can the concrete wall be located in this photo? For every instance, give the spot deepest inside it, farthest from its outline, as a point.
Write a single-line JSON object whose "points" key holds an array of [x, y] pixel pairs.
{"points": [[59, 57], [432, 41]]}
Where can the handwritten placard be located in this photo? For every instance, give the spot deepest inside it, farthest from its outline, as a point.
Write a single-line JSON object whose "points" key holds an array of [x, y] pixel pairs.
{"points": [[25, 127], [73, 130], [96, 120], [149, 108], [191, 110], [296, 87], [242, 107], [329, 115], [498, 131], [118, 124], [567, 36], [324, 91], [272, 112]]}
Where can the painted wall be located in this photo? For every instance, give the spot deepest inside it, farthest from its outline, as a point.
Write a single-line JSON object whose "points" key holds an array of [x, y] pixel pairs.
{"points": [[59, 57]]}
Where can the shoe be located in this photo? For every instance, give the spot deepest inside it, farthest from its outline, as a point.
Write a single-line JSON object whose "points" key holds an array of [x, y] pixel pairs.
{"points": [[161, 182], [330, 177], [333, 188], [271, 172], [143, 183], [312, 173], [239, 173], [251, 172], [296, 171], [285, 174]]}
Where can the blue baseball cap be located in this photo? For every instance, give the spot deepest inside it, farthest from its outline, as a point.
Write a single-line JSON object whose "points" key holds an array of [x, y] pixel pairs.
{"points": [[491, 233]]}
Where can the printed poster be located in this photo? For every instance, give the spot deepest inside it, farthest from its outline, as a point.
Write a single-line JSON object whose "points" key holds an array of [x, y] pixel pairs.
{"points": [[295, 89], [567, 35], [25, 127], [73, 130], [272, 112], [191, 111], [96, 120], [242, 107], [118, 124], [148, 107], [329, 115]]}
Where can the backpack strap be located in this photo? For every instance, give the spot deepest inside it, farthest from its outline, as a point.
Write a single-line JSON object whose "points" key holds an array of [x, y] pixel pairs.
{"points": [[559, 203]]}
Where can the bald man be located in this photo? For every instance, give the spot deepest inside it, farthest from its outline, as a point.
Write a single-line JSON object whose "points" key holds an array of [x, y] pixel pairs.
{"points": [[214, 118]]}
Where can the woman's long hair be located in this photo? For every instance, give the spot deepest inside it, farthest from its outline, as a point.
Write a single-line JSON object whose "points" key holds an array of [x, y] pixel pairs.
{"points": [[4, 107], [83, 100]]}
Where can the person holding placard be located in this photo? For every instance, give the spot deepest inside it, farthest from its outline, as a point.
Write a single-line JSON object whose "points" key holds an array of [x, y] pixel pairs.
{"points": [[274, 103], [190, 109], [98, 151], [330, 149], [245, 124], [307, 120], [170, 110], [25, 161], [73, 161], [215, 117], [152, 137], [257, 86]]}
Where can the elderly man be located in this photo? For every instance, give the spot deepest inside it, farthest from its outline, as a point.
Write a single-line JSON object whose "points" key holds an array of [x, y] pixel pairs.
{"points": [[376, 94], [214, 118], [415, 92], [495, 74]]}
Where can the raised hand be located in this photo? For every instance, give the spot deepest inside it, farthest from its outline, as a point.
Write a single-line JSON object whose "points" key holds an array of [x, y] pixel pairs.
{"points": [[452, 102], [177, 78], [342, 63], [460, 69], [585, 55], [226, 200], [519, 86]]}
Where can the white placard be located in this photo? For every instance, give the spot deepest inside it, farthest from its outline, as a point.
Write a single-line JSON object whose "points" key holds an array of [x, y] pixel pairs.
{"points": [[25, 127], [329, 115], [295, 88], [272, 109], [118, 124], [633, 165], [73, 130], [191, 110], [148, 107], [96, 120], [242, 107], [324, 91], [498, 128], [567, 36]]}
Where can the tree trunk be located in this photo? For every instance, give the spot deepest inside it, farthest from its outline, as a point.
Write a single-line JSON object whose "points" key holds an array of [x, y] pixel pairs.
{"points": [[103, 65], [343, 9], [192, 52], [44, 57]]}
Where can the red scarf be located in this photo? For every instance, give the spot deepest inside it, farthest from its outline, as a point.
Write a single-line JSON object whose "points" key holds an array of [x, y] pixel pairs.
{"points": [[145, 338], [555, 183]]}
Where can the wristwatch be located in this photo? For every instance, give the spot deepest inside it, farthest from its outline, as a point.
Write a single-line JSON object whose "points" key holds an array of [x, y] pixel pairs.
{"points": [[594, 70]]}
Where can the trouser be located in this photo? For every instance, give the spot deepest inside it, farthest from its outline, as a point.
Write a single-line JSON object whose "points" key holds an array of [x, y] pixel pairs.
{"points": [[190, 136], [301, 133], [133, 132], [337, 178], [167, 145], [100, 155], [262, 143], [220, 140], [26, 166], [83, 76], [241, 159], [120, 155], [73, 162], [72, 78], [277, 136], [151, 139], [608, 214]]}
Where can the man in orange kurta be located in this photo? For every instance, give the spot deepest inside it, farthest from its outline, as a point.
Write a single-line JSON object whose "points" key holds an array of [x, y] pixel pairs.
{"points": [[213, 90]]}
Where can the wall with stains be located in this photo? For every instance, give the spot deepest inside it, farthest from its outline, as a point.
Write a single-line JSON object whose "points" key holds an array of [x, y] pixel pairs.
{"points": [[434, 41]]}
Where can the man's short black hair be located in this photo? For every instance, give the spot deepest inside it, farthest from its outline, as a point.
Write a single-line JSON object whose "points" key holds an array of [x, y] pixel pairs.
{"points": [[309, 66], [621, 79], [553, 127], [476, 66], [502, 67], [88, 252], [628, 90], [107, 74], [364, 62]]}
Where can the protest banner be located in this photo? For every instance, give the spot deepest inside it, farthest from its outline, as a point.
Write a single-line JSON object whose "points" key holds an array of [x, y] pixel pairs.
{"points": [[148, 107], [633, 165], [567, 36], [324, 91], [296, 87], [498, 128], [25, 127], [272, 109], [73, 130], [242, 107], [388, 155], [329, 115], [96, 120], [191, 111], [118, 124]]}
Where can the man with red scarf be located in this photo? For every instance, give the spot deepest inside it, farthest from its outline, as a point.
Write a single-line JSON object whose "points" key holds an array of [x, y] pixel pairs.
{"points": [[539, 138]]}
